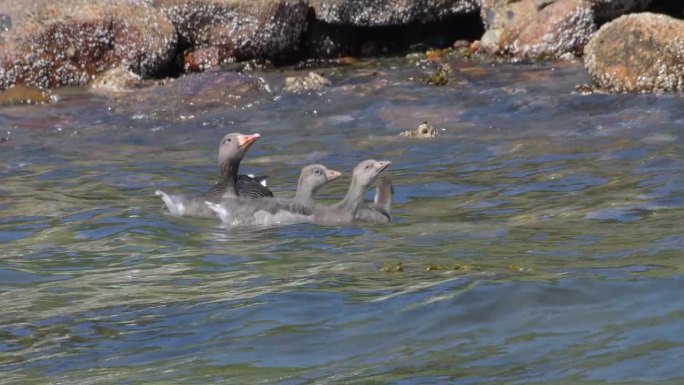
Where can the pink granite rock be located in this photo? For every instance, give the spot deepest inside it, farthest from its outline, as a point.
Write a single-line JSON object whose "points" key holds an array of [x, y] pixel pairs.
{"points": [[69, 42], [641, 52]]}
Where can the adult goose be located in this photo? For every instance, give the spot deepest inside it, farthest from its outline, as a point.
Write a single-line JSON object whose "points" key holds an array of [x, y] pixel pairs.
{"points": [[232, 149]]}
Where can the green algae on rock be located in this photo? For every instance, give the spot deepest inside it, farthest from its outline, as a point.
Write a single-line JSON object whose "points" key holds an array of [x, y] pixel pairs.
{"points": [[440, 77]]}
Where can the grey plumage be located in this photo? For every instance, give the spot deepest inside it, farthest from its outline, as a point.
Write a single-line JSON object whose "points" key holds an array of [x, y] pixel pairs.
{"points": [[238, 211], [232, 149], [379, 210], [346, 211]]}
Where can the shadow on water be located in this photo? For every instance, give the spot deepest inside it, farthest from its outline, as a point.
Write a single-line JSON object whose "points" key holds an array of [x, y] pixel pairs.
{"points": [[537, 239]]}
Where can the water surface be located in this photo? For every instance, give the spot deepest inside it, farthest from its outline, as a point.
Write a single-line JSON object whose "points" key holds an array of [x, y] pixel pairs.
{"points": [[539, 235]]}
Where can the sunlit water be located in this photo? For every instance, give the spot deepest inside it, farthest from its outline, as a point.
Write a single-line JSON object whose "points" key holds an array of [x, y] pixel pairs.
{"points": [[540, 236]]}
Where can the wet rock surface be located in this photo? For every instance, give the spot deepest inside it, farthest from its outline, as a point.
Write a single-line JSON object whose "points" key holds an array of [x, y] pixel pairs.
{"points": [[22, 94], [311, 82], [71, 42], [638, 53], [67, 43], [118, 79], [386, 27], [5, 25], [48, 44], [424, 130], [563, 27], [389, 12], [185, 97], [537, 29], [236, 30]]}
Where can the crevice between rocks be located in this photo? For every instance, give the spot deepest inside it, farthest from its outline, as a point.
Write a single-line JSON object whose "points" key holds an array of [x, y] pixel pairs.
{"points": [[323, 40], [667, 7]]}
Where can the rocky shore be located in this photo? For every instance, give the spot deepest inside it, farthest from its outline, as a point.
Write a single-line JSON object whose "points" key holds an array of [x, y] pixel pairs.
{"points": [[626, 45]]}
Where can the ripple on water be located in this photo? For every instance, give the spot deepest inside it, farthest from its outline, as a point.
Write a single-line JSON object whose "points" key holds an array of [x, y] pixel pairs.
{"points": [[537, 239]]}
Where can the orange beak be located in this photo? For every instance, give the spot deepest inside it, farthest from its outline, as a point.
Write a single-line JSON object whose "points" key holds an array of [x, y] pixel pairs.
{"points": [[247, 140]]}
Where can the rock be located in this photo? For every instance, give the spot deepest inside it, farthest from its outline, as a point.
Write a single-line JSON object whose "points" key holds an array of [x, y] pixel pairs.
{"points": [[221, 30], [201, 59], [69, 42], [424, 130], [188, 96], [312, 82], [325, 40], [376, 13], [23, 94], [563, 27], [440, 77], [536, 29], [118, 79], [5, 25], [641, 52]]}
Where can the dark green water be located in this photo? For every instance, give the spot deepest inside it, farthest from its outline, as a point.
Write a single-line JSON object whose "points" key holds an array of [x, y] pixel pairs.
{"points": [[540, 236]]}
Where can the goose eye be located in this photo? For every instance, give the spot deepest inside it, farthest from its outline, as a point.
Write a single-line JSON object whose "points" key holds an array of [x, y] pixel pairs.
{"points": [[367, 166], [317, 171], [229, 139]]}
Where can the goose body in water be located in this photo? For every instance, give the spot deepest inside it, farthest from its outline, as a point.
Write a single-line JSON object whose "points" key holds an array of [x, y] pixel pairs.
{"points": [[379, 210], [348, 210], [238, 211], [232, 149]]}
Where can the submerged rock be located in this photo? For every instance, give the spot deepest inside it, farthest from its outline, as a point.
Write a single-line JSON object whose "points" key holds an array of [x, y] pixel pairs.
{"points": [[188, 96], [69, 42], [220, 30], [424, 130], [23, 94], [118, 79], [311, 82], [638, 53], [440, 77], [389, 12]]}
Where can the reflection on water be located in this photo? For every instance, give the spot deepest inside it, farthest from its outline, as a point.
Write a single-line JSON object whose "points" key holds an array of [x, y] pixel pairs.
{"points": [[539, 236]]}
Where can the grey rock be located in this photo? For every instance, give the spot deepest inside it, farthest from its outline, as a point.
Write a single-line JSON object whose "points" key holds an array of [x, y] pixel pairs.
{"points": [[389, 12], [239, 29]]}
